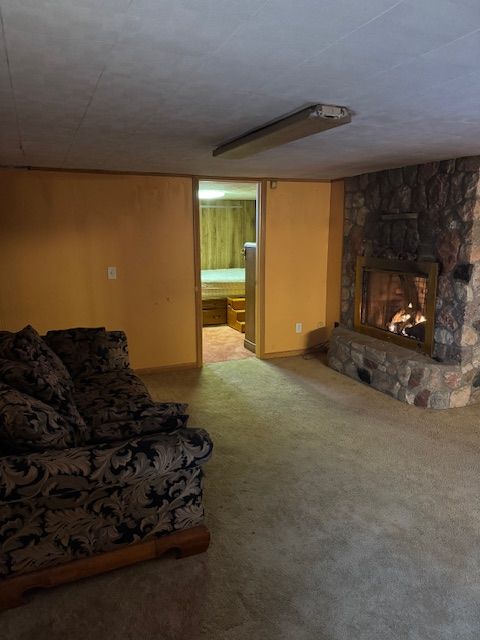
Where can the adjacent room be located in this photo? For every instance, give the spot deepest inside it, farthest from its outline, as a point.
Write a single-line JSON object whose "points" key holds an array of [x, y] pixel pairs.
{"points": [[228, 235], [239, 320]]}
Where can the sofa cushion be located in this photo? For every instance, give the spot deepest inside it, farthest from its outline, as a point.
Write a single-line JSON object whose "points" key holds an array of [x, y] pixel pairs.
{"points": [[39, 381], [27, 346], [161, 418], [28, 365], [88, 351], [34, 378], [28, 424], [111, 396]]}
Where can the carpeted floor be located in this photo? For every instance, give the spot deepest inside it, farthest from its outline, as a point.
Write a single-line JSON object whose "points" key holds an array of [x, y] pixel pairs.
{"points": [[336, 513], [221, 343]]}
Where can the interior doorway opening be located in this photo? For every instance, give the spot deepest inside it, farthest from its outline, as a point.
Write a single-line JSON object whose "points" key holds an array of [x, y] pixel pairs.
{"points": [[228, 213]]}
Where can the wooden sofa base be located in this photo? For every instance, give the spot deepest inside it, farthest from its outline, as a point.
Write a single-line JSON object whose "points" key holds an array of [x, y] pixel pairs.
{"points": [[185, 543]]}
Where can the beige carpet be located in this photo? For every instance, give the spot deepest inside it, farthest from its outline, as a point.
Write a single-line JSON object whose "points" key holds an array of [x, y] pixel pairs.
{"points": [[221, 343], [336, 513]]}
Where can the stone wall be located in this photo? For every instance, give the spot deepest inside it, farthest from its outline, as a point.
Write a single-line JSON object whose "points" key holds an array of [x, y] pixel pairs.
{"points": [[427, 212], [423, 212]]}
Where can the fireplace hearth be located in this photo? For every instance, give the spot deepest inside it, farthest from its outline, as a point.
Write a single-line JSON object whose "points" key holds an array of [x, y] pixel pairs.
{"points": [[395, 301]]}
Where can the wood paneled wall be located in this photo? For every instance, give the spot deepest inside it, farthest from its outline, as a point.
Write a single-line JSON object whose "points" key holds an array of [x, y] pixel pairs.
{"points": [[297, 227], [225, 225], [61, 230]]}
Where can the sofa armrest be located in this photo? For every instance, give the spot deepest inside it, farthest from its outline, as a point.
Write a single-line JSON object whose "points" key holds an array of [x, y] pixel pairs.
{"points": [[56, 473]]}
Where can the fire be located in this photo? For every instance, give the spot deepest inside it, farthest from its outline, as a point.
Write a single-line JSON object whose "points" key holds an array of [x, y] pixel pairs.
{"points": [[404, 321]]}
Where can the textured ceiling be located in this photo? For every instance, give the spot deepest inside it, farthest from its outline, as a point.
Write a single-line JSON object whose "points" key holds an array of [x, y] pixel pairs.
{"points": [[154, 86]]}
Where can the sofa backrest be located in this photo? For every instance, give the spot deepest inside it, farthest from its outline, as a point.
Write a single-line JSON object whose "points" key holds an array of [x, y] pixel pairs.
{"points": [[88, 351]]}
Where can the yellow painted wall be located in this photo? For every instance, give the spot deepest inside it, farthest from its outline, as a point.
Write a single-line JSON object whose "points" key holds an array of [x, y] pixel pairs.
{"points": [[59, 232], [335, 254], [301, 269]]}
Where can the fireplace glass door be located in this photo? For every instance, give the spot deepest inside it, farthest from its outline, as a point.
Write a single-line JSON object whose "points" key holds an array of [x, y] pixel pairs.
{"points": [[395, 300]]}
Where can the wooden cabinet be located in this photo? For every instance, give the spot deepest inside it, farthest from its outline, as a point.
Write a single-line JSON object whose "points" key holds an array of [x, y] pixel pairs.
{"points": [[214, 311]]}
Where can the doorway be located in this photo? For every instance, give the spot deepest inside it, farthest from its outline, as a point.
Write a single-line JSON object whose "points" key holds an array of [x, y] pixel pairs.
{"points": [[228, 229]]}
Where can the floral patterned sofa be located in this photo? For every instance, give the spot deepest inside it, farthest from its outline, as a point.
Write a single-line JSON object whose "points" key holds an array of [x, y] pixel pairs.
{"points": [[94, 474]]}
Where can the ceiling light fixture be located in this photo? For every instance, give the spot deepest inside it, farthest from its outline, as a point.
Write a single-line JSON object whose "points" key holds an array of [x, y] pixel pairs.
{"points": [[210, 194], [313, 119]]}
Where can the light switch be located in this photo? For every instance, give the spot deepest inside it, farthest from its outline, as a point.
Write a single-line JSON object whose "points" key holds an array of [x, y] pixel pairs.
{"points": [[112, 273]]}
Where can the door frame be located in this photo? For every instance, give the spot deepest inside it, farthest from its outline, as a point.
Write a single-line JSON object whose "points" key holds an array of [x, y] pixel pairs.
{"points": [[260, 265]]}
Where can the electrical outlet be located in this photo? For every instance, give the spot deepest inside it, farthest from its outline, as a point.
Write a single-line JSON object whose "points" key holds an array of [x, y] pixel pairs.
{"points": [[112, 273], [298, 327]]}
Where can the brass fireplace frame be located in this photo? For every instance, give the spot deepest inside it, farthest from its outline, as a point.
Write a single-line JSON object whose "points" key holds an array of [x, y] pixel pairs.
{"points": [[427, 270]]}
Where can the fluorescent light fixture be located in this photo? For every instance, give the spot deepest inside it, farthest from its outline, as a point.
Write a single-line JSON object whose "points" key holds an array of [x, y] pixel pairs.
{"points": [[210, 194], [313, 119]]}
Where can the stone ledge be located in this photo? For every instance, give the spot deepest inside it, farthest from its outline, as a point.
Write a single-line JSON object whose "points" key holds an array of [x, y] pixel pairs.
{"points": [[403, 374]]}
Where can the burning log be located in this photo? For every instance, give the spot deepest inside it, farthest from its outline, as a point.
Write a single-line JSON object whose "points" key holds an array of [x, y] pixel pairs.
{"points": [[408, 322], [417, 331]]}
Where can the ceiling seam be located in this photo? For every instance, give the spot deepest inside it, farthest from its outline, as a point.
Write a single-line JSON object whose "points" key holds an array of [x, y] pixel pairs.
{"points": [[214, 51], [361, 26], [439, 83], [10, 80], [84, 115], [87, 107], [237, 28], [426, 53], [331, 44], [82, 119], [401, 64]]}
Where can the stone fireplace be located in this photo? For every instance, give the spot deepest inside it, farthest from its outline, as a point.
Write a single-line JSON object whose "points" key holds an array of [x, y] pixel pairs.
{"points": [[410, 317]]}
